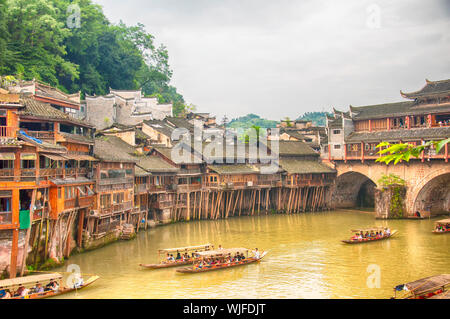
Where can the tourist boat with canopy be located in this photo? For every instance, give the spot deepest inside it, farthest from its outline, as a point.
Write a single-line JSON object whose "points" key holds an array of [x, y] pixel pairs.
{"points": [[224, 259], [355, 239], [442, 226], [434, 287], [29, 282], [190, 250]]}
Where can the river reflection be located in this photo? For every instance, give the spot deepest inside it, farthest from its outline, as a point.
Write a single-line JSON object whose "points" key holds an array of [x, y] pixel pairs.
{"points": [[306, 259]]}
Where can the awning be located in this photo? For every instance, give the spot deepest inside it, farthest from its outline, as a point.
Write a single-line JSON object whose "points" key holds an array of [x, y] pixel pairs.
{"points": [[54, 157], [7, 156], [25, 156], [80, 157]]}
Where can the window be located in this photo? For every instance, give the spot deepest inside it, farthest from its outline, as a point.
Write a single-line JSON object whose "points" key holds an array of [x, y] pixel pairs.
{"points": [[336, 131], [118, 198], [3, 118], [105, 201], [69, 192], [337, 147], [6, 164], [27, 164]]}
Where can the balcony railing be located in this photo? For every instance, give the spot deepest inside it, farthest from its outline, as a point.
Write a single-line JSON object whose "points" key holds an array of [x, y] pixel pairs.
{"points": [[188, 188], [117, 208], [140, 188], [42, 135], [7, 131]]}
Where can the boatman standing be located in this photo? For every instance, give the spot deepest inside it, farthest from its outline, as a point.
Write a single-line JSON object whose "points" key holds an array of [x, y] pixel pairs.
{"points": [[256, 253]]}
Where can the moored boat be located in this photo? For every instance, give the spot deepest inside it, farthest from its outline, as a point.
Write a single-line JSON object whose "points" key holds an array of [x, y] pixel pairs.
{"points": [[28, 282], [164, 253], [442, 226], [360, 237], [434, 287], [223, 259]]}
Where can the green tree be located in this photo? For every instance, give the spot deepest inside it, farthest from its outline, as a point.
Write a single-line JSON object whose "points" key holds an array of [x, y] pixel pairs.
{"points": [[404, 151]]}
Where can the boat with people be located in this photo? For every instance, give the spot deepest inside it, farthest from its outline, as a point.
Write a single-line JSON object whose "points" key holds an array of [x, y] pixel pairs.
{"points": [[434, 287], [442, 226], [183, 256], [222, 259], [40, 286], [366, 235]]}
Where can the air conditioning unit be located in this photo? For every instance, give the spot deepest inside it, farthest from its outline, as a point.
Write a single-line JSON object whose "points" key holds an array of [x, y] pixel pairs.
{"points": [[93, 213], [250, 183]]}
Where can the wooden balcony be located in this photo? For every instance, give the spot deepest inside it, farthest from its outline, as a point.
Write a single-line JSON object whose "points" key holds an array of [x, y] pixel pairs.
{"points": [[112, 181], [41, 135], [7, 131], [117, 208], [140, 188], [188, 188]]}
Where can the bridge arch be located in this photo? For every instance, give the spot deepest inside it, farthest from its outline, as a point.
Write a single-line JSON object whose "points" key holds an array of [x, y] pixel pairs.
{"points": [[431, 193], [353, 189]]}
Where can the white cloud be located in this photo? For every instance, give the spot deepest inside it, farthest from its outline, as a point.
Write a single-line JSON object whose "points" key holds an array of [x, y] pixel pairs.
{"points": [[284, 58]]}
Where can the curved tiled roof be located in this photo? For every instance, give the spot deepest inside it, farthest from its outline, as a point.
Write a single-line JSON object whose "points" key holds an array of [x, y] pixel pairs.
{"points": [[430, 88], [396, 135]]}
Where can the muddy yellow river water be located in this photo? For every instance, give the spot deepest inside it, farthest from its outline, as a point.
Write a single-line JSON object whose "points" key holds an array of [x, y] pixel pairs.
{"points": [[306, 259]]}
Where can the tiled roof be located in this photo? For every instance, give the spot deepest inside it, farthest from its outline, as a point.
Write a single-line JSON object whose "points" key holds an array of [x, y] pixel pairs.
{"points": [[232, 169], [160, 126], [155, 164], [112, 148], [296, 166], [51, 92], [396, 109], [41, 110], [294, 148], [430, 88], [396, 135]]}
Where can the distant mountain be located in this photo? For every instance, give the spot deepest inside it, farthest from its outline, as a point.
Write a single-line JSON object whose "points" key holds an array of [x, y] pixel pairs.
{"points": [[318, 118], [249, 120]]}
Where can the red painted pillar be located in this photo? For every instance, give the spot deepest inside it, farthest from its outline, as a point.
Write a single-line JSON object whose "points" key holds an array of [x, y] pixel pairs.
{"points": [[370, 125], [423, 153], [345, 153], [388, 124], [362, 152], [446, 153]]}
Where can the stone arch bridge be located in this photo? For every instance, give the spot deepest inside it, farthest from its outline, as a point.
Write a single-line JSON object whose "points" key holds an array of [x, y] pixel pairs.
{"points": [[427, 182]]}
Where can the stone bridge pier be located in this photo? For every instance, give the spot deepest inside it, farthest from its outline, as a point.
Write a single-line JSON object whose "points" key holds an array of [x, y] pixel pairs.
{"points": [[427, 183]]}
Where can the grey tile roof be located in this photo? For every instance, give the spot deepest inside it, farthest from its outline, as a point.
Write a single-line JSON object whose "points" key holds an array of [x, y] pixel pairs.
{"points": [[396, 135], [296, 166]]}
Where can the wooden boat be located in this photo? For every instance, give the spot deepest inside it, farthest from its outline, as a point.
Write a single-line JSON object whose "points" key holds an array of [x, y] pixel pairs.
{"points": [[368, 240], [443, 224], [434, 287], [162, 253], [221, 254], [31, 281]]}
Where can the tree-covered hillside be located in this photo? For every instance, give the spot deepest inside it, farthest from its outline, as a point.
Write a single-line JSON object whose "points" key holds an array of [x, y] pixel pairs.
{"points": [[318, 118], [250, 120], [70, 44]]}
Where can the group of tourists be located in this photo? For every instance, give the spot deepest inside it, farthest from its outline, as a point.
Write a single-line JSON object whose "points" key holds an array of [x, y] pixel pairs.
{"points": [[180, 257], [222, 260], [442, 228], [22, 291], [370, 235]]}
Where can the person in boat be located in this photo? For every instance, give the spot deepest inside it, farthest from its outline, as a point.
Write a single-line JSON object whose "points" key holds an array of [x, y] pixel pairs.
{"points": [[6, 294], [52, 285], [178, 255], [388, 232], [38, 288], [185, 256], [22, 291], [79, 282], [366, 235], [220, 247], [256, 253]]}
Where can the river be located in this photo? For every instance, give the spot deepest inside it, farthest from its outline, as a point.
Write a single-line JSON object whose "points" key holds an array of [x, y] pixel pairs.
{"points": [[306, 259]]}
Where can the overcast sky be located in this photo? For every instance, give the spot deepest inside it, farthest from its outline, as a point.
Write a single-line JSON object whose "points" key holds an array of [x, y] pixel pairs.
{"points": [[286, 57]]}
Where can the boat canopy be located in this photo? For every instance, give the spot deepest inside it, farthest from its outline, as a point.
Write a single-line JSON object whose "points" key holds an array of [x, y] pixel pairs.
{"points": [[188, 248], [443, 221], [29, 280], [424, 285], [222, 252], [370, 229]]}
